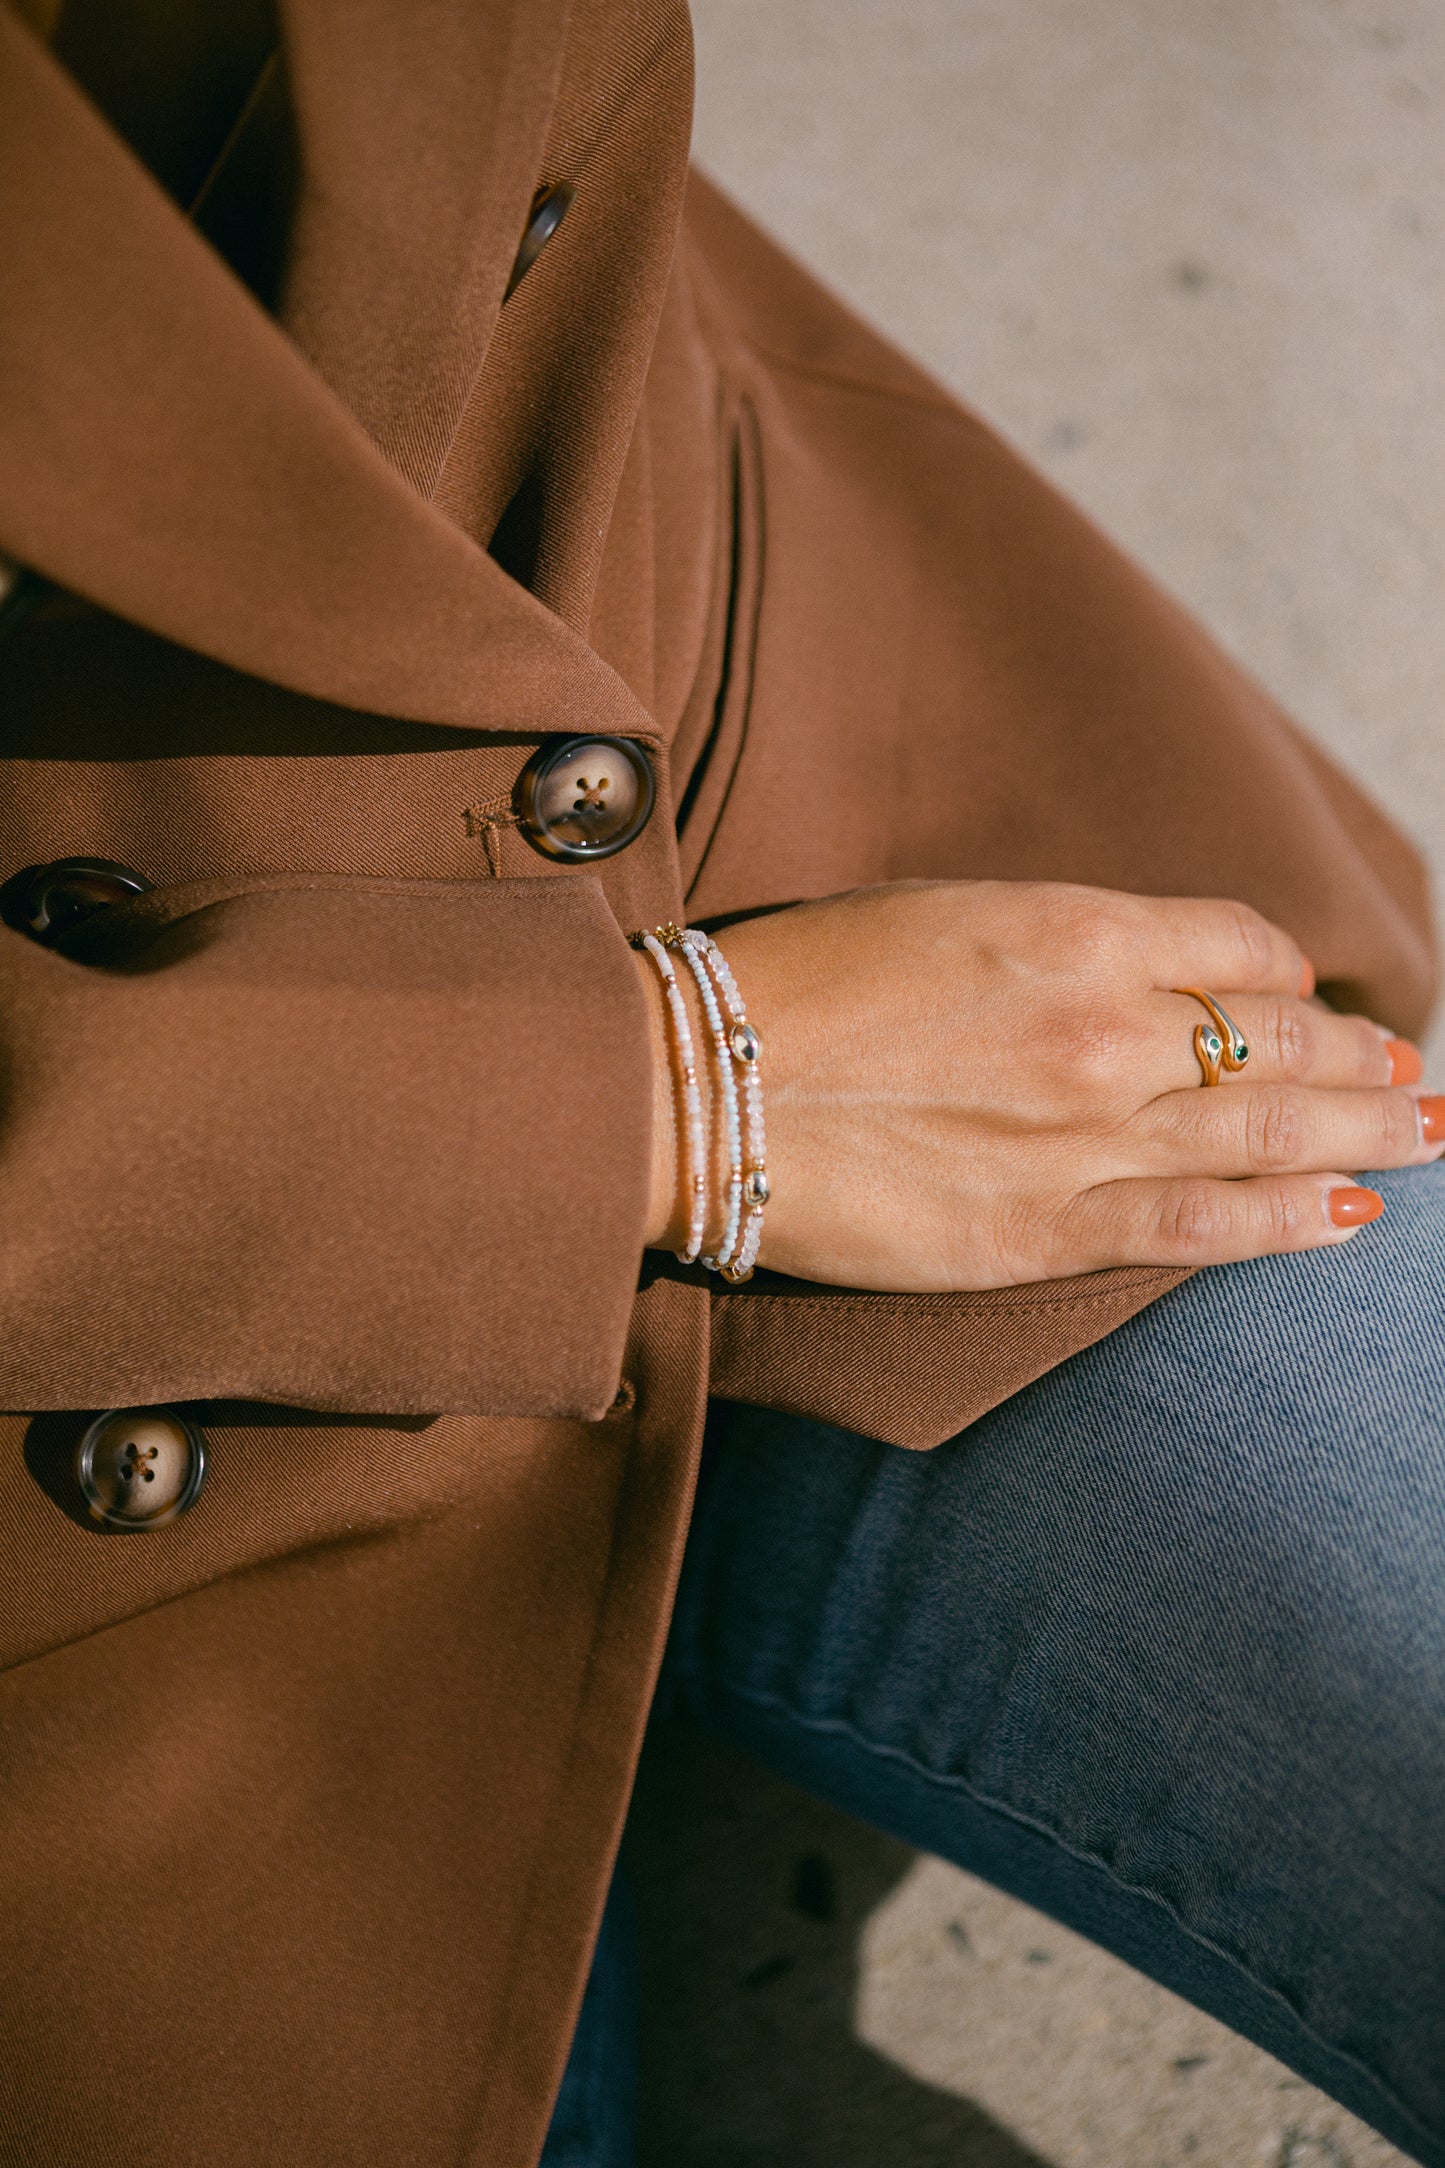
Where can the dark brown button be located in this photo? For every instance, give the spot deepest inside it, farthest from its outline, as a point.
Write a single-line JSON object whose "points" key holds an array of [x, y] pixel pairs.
{"points": [[585, 797], [47, 901], [549, 207], [140, 1468]]}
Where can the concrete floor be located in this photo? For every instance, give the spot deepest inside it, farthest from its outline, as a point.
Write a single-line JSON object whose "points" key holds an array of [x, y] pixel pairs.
{"points": [[1189, 254], [817, 1996]]}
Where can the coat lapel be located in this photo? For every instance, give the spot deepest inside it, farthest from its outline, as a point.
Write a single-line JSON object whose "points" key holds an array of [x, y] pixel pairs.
{"points": [[422, 128], [168, 452]]}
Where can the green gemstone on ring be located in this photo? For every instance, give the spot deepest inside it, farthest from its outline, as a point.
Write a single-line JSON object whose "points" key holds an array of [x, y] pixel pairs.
{"points": [[1241, 1052]]}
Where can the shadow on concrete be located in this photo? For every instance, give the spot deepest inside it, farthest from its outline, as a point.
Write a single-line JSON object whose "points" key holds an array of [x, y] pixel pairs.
{"points": [[751, 1897]]}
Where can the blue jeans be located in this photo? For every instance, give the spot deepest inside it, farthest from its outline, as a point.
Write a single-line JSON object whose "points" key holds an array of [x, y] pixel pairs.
{"points": [[1158, 1645]]}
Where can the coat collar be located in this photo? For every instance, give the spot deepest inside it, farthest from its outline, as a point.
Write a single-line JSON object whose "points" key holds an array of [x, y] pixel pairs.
{"points": [[169, 452]]}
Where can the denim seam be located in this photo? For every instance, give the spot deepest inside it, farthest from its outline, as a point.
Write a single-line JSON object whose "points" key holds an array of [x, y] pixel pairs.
{"points": [[1040, 1828]]}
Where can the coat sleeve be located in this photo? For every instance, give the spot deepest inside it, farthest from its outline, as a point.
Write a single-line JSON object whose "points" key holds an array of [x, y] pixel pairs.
{"points": [[379, 1146]]}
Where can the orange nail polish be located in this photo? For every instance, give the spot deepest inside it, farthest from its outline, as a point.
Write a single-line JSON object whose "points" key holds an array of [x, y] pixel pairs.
{"points": [[1354, 1207], [1307, 980], [1432, 1120], [1407, 1063]]}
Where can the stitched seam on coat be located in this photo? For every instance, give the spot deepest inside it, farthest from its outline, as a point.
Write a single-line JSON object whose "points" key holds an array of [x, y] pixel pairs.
{"points": [[847, 1304], [583, 1716], [837, 1727], [291, 884]]}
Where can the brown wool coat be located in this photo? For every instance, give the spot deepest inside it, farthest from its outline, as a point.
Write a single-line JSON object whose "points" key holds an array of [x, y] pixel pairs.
{"points": [[307, 1802]]}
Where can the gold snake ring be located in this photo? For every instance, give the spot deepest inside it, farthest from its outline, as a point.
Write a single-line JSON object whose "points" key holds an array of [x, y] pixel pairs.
{"points": [[1217, 1044]]}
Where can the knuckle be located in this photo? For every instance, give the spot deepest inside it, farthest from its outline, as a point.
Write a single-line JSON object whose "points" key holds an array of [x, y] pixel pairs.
{"points": [[1288, 1038], [1255, 939], [1280, 1210], [1096, 1047], [1087, 925], [1275, 1129], [1399, 1124], [1193, 1218]]}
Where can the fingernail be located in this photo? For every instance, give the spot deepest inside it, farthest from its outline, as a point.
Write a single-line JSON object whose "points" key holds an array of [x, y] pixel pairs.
{"points": [[1353, 1207], [1307, 980], [1407, 1063], [1432, 1120]]}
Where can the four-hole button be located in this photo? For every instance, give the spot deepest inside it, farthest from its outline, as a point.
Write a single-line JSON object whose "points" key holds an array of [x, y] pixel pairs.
{"points": [[140, 1468], [583, 798]]}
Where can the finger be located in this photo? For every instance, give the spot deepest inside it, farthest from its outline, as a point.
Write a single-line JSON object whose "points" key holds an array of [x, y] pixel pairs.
{"points": [[1195, 942], [1286, 1129], [1289, 1041], [1196, 1221]]}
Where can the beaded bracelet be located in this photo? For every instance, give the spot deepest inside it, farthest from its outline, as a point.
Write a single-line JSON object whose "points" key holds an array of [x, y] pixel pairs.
{"points": [[692, 1142], [725, 1104], [745, 1048], [738, 1122]]}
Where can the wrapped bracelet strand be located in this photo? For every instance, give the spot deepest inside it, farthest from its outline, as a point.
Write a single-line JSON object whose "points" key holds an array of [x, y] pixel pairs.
{"points": [[728, 1119], [737, 1103], [692, 1131], [746, 1049]]}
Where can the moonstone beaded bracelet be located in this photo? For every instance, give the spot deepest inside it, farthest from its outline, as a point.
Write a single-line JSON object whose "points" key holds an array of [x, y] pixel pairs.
{"points": [[692, 1137], [727, 1118], [738, 1120], [749, 1160]]}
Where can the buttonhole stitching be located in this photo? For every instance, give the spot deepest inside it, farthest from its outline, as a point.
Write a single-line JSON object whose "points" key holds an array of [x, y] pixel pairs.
{"points": [[487, 819]]}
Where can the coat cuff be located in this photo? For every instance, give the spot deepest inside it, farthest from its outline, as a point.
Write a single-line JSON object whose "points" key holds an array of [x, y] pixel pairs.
{"points": [[354, 1145]]}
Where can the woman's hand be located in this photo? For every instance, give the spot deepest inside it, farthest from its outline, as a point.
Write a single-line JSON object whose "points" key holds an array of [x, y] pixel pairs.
{"points": [[973, 1084]]}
